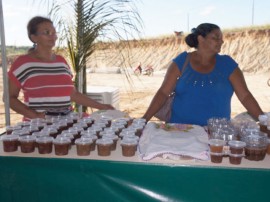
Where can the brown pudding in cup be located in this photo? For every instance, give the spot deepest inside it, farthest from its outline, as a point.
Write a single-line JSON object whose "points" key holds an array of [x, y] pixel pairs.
{"points": [[10, 143], [256, 146], [44, 144], [235, 158], [113, 137], [104, 146], [216, 145], [236, 147], [129, 146], [216, 157], [27, 143], [83, 146], [61, 145]]}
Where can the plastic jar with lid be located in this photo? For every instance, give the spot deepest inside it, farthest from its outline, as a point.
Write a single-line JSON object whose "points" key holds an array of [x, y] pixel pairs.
{"points": [[83, 146], [256, 146], [10, 143]]}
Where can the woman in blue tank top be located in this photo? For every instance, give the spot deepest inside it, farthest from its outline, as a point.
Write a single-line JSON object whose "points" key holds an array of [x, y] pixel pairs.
{"points": [[208, 81]]}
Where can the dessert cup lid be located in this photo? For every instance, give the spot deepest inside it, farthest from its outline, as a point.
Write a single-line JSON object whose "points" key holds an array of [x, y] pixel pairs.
{"points": [[217, 142], [9, 137], [131, 137], [111, 136], [27, 138], [216, 154], [83, 140], [93, 137], [61, 140], [236, 143], [44, 139], [104, 141], [236, 155], [129, 141]]}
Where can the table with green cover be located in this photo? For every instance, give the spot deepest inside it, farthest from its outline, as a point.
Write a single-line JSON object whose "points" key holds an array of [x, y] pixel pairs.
{"points": [[47, 177]]}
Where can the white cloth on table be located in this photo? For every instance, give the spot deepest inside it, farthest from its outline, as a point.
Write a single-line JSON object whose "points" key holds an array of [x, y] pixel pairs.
{"points": [[157, 142]]}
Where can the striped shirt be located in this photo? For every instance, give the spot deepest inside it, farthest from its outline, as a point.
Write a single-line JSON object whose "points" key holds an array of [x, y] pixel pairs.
{"points": [[46, 86]]}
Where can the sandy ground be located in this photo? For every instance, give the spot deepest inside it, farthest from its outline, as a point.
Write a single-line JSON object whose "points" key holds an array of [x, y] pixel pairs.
{"points": [[136, 93]]}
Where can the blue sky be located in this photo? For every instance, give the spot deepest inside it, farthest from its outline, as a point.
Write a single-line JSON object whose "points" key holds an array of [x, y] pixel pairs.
{"points": [[160, 17]]}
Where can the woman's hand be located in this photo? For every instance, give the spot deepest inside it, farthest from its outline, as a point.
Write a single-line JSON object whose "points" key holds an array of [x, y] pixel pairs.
{"points": [[40, 115]]}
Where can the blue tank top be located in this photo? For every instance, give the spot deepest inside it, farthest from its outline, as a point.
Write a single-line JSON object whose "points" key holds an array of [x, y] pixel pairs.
{"points": [[198, 96]]}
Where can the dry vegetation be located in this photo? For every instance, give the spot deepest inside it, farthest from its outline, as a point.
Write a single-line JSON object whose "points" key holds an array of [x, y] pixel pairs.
{"points": [[249, 47]]}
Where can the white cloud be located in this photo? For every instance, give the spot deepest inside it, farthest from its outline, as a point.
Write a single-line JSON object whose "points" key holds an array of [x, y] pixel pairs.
{"points": [[207, 10]]}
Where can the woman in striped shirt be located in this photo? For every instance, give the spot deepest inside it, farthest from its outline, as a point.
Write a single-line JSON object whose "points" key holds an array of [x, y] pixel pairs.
{"points": [[44, 77]]}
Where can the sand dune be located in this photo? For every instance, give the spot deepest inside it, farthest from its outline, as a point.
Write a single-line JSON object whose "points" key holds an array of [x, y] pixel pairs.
{"points": [[251, 49]]}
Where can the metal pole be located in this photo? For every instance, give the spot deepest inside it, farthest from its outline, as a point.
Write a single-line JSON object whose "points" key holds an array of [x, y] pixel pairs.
{"points": [[80, 34], [4, 66], [188, 23], [252, 17]]}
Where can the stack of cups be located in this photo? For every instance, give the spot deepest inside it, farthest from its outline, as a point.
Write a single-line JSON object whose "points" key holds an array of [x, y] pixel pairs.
{"points": [[236, 151], [216, 150]]}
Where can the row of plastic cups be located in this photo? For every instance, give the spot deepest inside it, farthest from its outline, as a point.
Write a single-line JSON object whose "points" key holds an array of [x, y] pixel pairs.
{"points": [[235, 153], [84, 145]]}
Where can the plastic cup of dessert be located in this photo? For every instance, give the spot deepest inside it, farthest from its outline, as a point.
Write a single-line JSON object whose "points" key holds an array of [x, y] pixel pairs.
{"points": [[93, 138], [127, 131], [216, 145], [268, 146], [129, 146], [139, 129], [139, 120], [61, 145], [108, 119], [216, 157], [235, 158], [97, 129], [122, 122], [104, 146], [119, 125], [113, 128], [83, 146], [76, 134], [45, 144], [27, 143], [256, 147], [236, 147], [131, 136], [67, 135], [10, 129], [10, 143], [113, 137]]}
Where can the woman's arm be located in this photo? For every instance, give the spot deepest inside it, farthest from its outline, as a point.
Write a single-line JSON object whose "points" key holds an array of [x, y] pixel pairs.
{"points": [[164, 91], [18, 106], [84, 100], [244, 95]]}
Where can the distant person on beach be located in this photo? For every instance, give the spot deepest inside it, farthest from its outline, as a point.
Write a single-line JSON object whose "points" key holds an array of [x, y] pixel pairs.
{"points": [[204, 88], [138, 68], [44, 77]]}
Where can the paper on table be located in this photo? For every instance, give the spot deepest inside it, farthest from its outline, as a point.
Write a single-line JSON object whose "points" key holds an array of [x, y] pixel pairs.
{"points": [[191, 142]]}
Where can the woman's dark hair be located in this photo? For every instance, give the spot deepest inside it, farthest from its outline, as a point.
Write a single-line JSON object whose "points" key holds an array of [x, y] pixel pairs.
{"points": [[203, 29], [32, 25]]}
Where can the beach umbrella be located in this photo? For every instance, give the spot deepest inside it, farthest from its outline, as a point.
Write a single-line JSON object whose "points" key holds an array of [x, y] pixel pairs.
{"points": [[4, 66]]}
